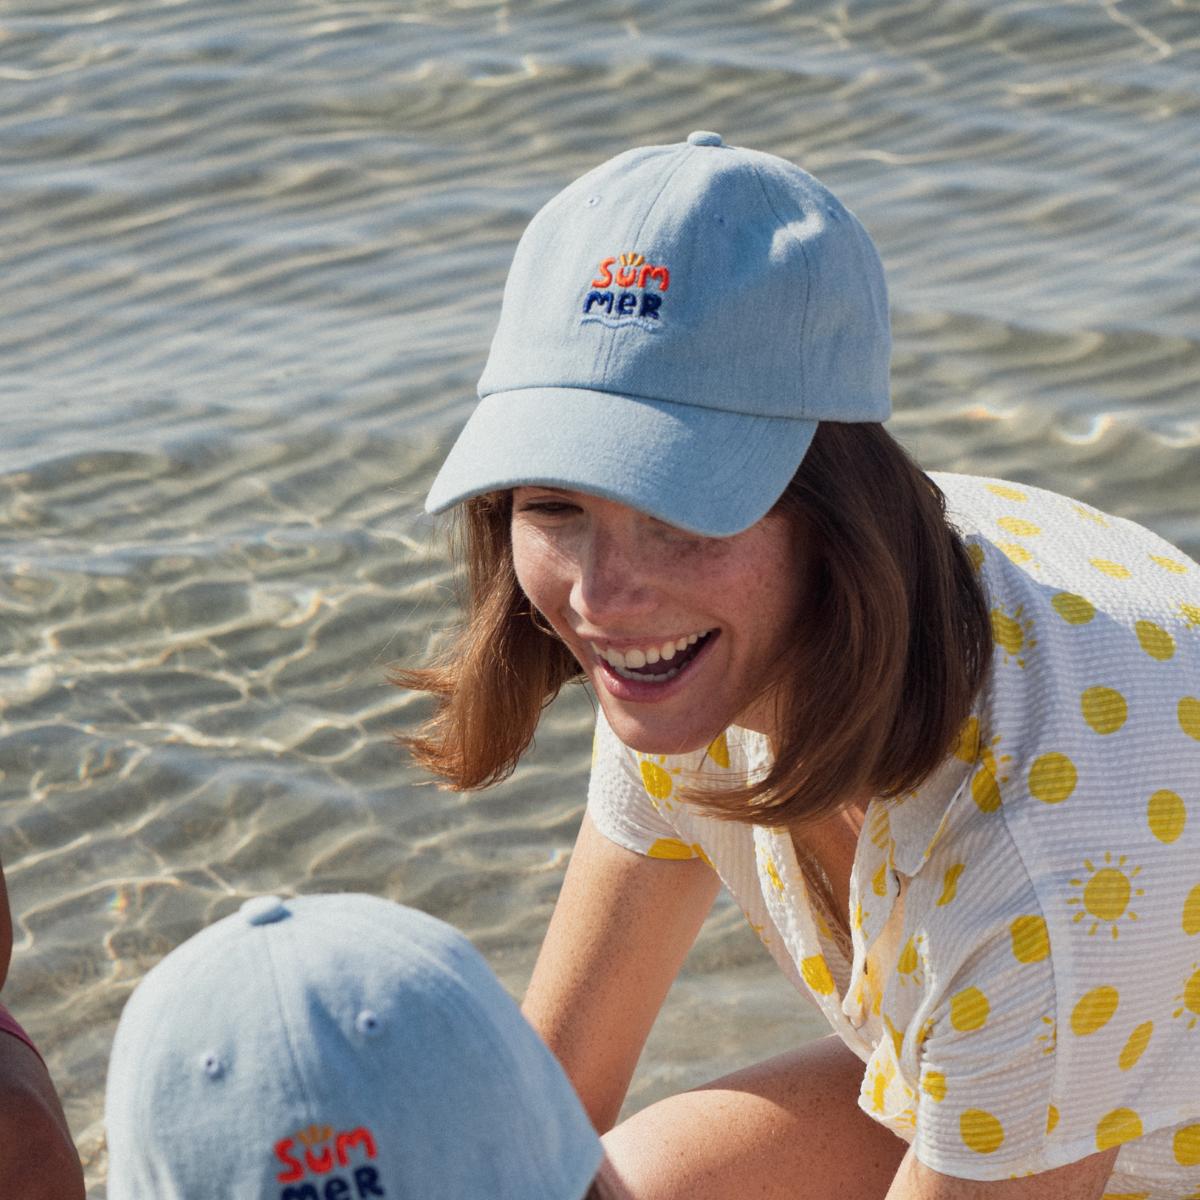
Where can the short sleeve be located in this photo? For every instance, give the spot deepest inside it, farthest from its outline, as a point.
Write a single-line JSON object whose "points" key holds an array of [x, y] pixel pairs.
{"points": [[621, 803]]}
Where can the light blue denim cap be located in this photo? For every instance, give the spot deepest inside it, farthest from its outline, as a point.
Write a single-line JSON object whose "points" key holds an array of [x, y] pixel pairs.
{"points": [[336, 1047], [675, 324]]}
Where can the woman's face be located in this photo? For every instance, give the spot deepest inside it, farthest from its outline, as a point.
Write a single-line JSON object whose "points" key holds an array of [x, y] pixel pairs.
{"points": [[676, 631]]}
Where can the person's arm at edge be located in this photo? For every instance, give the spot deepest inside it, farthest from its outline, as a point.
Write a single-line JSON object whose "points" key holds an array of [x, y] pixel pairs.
{"points": [[37, 1156], [620, 931]]}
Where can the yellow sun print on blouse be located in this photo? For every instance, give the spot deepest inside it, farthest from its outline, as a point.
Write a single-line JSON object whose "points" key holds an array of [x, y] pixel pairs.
{"points": [[1013, 633], [1105, 895], [1189, 999]]}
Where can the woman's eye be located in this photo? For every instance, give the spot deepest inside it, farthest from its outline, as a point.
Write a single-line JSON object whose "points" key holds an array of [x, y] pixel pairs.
{"points": [[551, 508]]}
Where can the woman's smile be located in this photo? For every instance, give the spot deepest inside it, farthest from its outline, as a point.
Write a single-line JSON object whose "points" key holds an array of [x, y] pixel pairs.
{"points": [[676, 632]]}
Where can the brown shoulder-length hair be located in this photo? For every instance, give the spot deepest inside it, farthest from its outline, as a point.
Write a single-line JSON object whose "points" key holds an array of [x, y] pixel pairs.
{"points": [[890, 650]]}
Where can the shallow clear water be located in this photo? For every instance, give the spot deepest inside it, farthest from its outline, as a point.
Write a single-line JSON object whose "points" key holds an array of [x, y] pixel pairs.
{"points": [[252, 253]]}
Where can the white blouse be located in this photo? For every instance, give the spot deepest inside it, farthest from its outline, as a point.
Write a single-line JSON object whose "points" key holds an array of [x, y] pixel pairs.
{"points": [[1025, 982]]}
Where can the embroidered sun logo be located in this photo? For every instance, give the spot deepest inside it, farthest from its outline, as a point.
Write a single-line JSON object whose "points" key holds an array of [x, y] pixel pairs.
{"points": [[1189, 1001], [1106, 894], [1013, 634]]}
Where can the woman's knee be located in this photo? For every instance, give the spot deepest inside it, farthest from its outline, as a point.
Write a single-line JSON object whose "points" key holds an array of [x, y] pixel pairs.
{"points": [[761, 1132]]}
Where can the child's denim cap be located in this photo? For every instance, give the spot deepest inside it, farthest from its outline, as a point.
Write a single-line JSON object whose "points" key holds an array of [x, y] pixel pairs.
{"points": [[336, 1047]]}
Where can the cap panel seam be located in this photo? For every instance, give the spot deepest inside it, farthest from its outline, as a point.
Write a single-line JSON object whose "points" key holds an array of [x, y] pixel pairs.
{"points": [[682, 153], [285, 1027], [762, 183]]}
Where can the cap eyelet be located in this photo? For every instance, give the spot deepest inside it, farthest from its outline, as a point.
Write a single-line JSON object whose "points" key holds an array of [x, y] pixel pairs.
{"points": [[212, 1065], [368, 1023], [592, 201]]}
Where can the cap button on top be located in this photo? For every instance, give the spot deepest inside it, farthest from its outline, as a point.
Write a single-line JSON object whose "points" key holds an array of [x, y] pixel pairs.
{"points": [[704, 137], [262, 910]]}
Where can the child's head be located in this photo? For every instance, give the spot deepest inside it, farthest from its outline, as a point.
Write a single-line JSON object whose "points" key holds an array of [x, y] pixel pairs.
{"points": [[337, 1047]]}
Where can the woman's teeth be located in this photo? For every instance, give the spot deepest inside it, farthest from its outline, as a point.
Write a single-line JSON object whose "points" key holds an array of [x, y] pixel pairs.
{"points": [[628, 663]]}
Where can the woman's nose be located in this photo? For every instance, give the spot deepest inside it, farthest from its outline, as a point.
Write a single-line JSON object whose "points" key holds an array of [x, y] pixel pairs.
{"points": [[613, 583]]}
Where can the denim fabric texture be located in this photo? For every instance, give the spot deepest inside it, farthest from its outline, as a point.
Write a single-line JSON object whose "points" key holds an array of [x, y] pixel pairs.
{"points": [[674, 325], [336, 1046]]}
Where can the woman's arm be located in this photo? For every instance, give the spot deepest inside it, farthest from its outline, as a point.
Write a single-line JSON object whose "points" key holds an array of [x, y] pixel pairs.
{"points": [[620, 931]]}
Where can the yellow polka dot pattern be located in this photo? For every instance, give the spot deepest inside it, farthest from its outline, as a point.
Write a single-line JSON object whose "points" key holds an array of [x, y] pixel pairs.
{"points": [[981, 1131], [1006, 492], [1073, 609], [1169, 564], [1114, 570], [670, 848], [1064, 811], [657, 782], [1104, 709], [969, 1010], [1166, 815], [1030, 939], [1019, 527], [815, 971], [1155, 640], [1094, 1010], [1191, 912], [1186, 1146], [1052, 778], [1117, 1127], [1135, 1047], [1188, 711]]}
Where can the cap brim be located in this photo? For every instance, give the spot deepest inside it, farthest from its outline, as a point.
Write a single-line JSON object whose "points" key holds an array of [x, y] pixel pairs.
{"points": [[705, 470]]}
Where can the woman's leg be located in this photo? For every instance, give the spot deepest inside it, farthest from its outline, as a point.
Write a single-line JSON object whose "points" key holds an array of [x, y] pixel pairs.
{"points": [[786, 1129]]}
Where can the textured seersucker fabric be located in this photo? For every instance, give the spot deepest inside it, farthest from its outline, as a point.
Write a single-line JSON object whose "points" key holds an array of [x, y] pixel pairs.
{"points": [[1025, 985]]}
